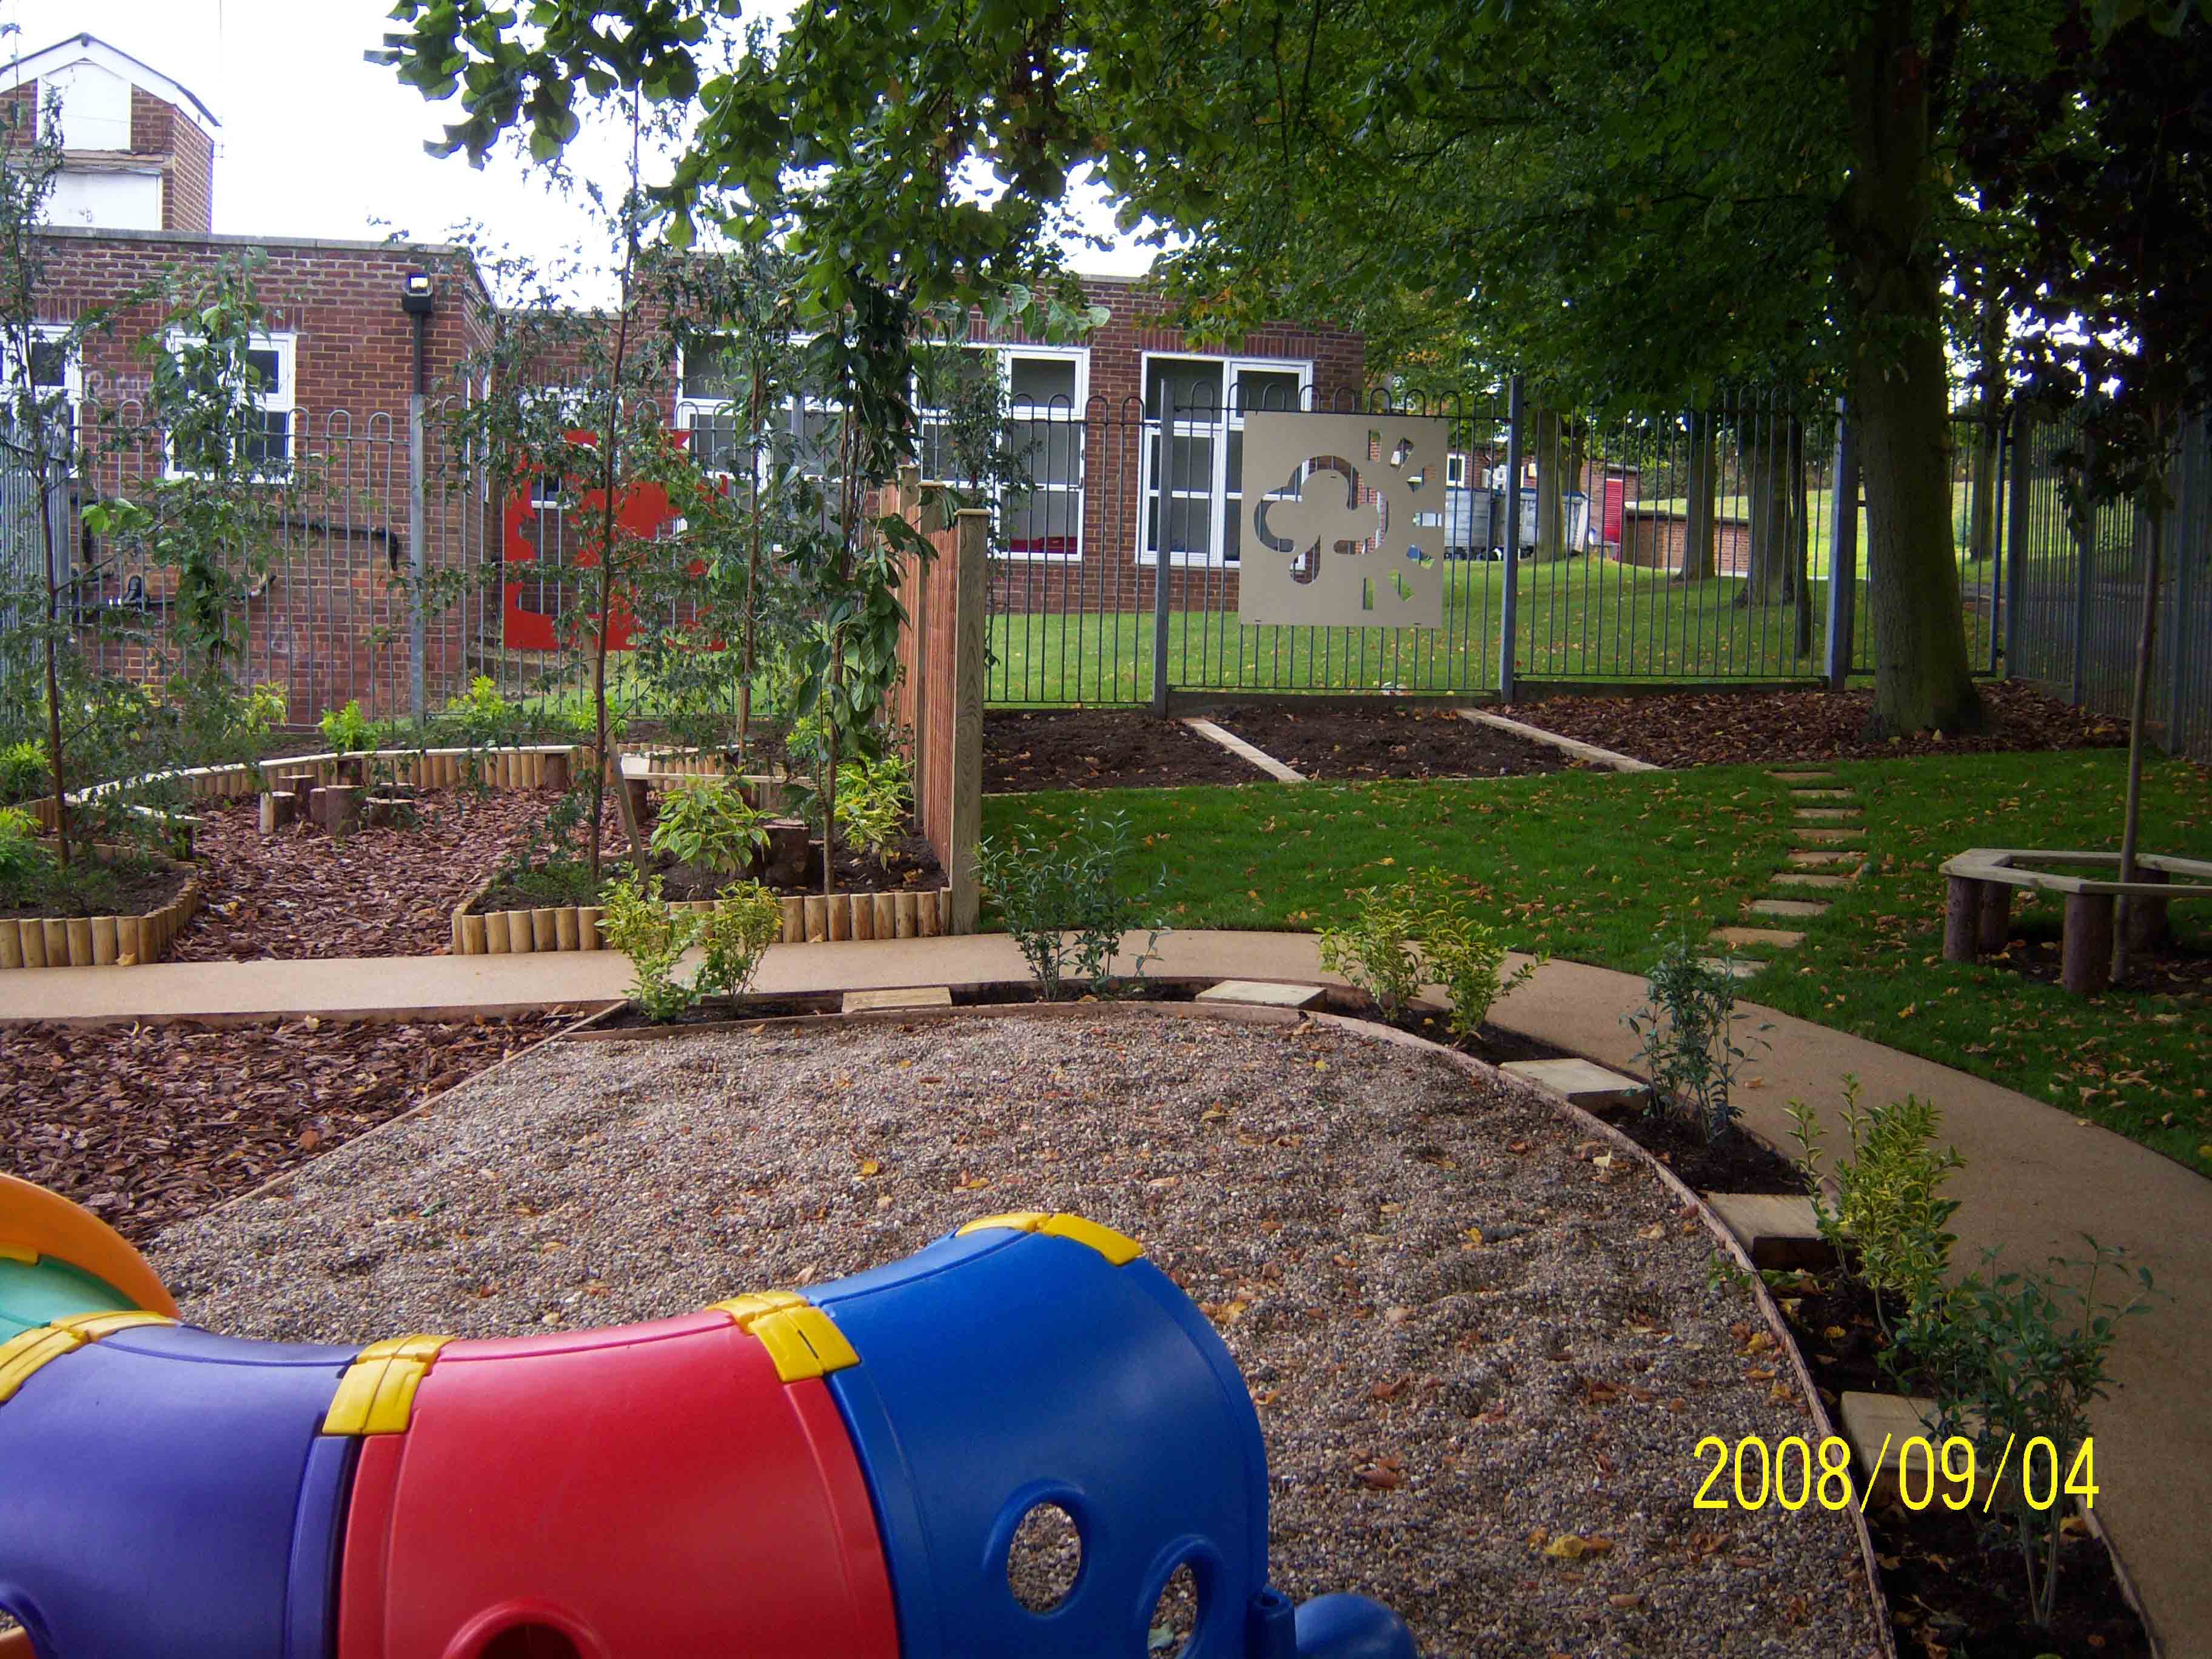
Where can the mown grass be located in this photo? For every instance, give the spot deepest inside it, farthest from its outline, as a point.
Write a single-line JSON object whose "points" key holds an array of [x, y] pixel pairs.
{"points": [[1601, 867]]}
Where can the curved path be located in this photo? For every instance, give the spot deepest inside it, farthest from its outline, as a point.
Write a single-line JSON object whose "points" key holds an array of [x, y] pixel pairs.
{"points": [[2035, 1178]]}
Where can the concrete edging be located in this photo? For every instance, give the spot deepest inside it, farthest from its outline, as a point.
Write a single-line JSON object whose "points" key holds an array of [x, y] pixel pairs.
{"points": [[1575, 746]]}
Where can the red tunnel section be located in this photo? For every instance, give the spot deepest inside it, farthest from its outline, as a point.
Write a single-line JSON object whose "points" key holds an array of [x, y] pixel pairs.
{"points": [[652, 1490]]}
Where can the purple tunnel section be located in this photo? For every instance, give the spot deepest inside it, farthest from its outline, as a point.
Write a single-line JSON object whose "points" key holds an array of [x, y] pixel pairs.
{"points": [[166, 1491]]}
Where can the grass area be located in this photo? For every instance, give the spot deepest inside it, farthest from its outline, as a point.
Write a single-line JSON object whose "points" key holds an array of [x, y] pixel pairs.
{"points": [[1579, 619], [1820, 538], [1598, 867]]}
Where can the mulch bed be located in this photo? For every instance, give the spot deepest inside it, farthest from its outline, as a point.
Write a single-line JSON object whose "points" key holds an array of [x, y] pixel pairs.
{"points": [[2177, 969], [382, 892], [1101, 749], [1387, 739], [146, 1124], [1691, 729]]}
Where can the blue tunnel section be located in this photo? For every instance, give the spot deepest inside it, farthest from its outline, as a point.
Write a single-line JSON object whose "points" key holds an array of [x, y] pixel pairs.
{"points": [[206, 1510], [1036, 1370]]}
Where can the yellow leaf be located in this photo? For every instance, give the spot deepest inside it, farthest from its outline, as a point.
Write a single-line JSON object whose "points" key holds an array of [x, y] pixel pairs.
{"points": [[869, 1166], [1907, 1012]]}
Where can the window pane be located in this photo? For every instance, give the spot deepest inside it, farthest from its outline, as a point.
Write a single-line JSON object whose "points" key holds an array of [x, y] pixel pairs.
{"points": [[1043, 380], [713, 440], [49, 363], [1182, 384], [710, 369], [264, 371], [1190, 463], [1051, 451], [1267, 388], [1190, 527], [1046, 523]]}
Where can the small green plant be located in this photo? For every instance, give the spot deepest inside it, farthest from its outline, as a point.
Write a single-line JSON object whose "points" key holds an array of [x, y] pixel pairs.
{"points": [[873, 799], [1890, 1212], [710, 826], [735, 935], [2013, 1358], [1065, 903], [263, 707], [23, 772], [642, 924], [1461, 952], [1378, 952], [1685, 1031], [347, 730], [23, 862], [481, 717]]}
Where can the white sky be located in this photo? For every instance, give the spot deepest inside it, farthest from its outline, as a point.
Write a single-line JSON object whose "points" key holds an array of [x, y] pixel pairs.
{"points": [[316, 142]]}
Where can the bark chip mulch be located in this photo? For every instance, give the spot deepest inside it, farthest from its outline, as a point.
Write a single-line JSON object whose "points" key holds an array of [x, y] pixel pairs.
{"points": [[146, 1124], [1724, 728], [387, 890], [1482, 1363], [1101, 749], [1387, 739]]}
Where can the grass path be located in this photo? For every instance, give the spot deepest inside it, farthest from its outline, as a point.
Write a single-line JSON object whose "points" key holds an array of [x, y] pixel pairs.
{"points": [[1599, 867]]}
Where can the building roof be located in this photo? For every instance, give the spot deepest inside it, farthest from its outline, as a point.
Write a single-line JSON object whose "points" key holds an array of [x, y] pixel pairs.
{"points": [[90, 48]]}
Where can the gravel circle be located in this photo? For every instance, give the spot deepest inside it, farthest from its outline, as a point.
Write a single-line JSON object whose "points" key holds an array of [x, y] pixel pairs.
{"points": [[1471, 1333]]}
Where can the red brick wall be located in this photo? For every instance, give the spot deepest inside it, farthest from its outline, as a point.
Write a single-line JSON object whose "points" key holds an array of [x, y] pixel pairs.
{"points": [[1654, 540]]}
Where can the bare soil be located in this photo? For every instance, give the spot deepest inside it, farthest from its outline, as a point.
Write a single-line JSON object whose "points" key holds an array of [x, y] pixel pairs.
{"points": [[1468, 1345], [123, 889], [1718, 728], [1387, 739], [1101, 749], [145, 1125]]}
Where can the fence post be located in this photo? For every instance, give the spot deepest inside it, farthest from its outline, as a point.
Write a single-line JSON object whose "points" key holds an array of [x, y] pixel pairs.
{"points": [[1510, 612], [1843, 553], [971, 547], [2020, 450], [417, 529]]}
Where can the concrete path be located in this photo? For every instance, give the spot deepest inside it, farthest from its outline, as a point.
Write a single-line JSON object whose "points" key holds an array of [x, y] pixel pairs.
{"points": [[2036, 1179]]}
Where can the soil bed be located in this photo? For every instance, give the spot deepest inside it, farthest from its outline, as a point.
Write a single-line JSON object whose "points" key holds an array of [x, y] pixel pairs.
{"points": [[1436, 1408], [2180, 969], [131, 888], [1388, 739], [146, 1124], [1690, 728], [910, 864], [1101, 749], [1736, 1163], [381, 891], [1948, 1589]]}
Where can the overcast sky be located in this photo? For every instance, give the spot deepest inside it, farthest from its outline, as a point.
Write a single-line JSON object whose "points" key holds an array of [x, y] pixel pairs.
{"points": [[316, 142]]}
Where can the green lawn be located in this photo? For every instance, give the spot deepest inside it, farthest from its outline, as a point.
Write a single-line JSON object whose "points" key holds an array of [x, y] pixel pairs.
{"points": [[1819, 507], [1597, 866]]}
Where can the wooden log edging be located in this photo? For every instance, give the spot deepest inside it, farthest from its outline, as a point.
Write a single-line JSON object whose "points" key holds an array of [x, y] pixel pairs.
{"points": [[808, 919], [98, 941]]}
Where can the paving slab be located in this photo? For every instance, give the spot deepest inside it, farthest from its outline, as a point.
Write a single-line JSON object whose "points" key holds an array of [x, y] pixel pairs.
{"points": [[1824, 837], [910, 996], [1820, 794], [1804, 908], [1736, 968], [1777, 1230], [1803, 777], [1815, 860], [1265, 993], [1780, 938], [1580, 1082], [1799, 879], [1825, 814]]}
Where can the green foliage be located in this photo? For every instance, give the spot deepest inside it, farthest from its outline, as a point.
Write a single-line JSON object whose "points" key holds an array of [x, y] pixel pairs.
{"points": [[481, 718], [874, 799], [735, 935], [1685, 1031], [654, 935], [347, 730], [1462, 953], [22, 861], [1890, 1213], [23, 772], [1376, 951], [263, 707], [2012, 1356], [710, 826], [1065, 904]]}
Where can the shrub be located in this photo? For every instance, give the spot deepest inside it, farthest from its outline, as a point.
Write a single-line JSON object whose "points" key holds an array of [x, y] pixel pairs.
{"points": [[2014, 1357], [1065, 903], [263, 706], [23, 862], [1889, 1210], [641, 925], [1462, 953], [873, 799], [481, 717], [347, 730], [1376, 953], [710, 826], [1687, 1033], [23, 775], [736, 934]]}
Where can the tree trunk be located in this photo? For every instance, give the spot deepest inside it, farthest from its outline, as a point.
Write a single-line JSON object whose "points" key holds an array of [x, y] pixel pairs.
{"points": [[1899, 385], [1699, 526], [1770, 439], [1801, 512], [1551, 534]]}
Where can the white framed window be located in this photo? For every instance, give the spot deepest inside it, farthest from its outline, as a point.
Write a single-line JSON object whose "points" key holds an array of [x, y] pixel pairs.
{"points": [[1194, 450], [572, 404], [1454, 470], [710, 386], [57, 378], [273, 362], [1045, 390]]}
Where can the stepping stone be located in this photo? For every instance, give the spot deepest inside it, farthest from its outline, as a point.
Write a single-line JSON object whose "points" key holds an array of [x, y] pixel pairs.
{"points": [[1780, 938], [1579, 1082], [1820, 837], [1261, 993], [1777, 1231], [1736, 968], [1799, 879], [1878, 1426], [910, 996], [1814, 860], [1804, 777], [1800, 909], [1825, 814], [1820, 794]]}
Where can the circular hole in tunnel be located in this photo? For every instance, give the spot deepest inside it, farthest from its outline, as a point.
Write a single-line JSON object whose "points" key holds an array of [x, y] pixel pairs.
{"points": [[529, 1642], [1044, 1558], [1175, 1616]]}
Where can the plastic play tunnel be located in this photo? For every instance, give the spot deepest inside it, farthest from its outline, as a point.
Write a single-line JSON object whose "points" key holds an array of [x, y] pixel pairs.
{"points": [[841, 1473]]}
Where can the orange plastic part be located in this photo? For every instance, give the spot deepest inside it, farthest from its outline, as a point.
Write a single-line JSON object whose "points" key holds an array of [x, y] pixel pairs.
{"points": [[16, 1644], [33, 1219]]}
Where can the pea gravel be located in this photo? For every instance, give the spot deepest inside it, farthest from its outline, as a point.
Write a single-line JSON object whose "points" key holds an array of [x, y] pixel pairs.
{"points": [[1473, 1337]]}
